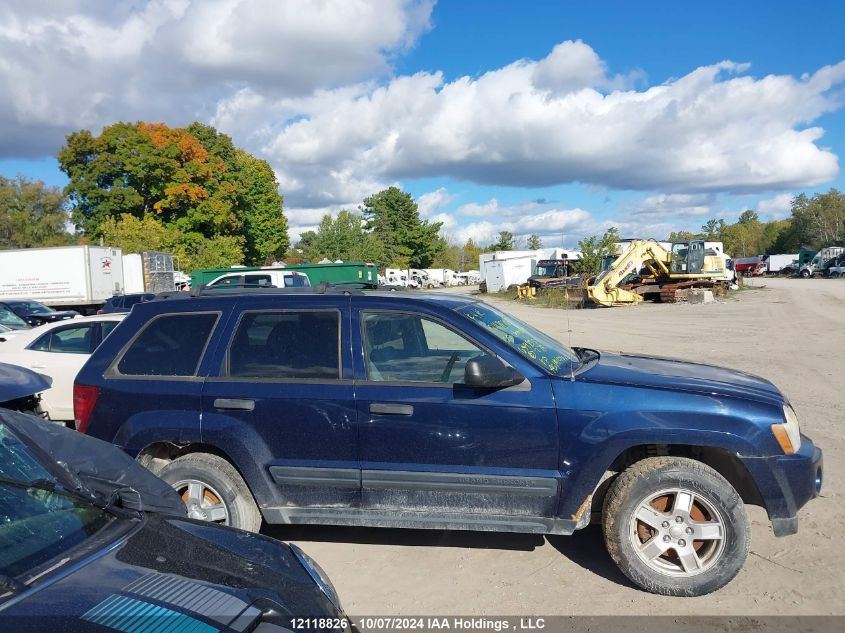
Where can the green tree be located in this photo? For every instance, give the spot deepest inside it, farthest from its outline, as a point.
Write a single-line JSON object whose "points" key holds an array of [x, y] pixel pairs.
{"points": [[712, 229], [818, 221], [505, 242], [534, 243], [192, 180], [192, 250], [344, 237], [682, 236], [749, 217], [594, 249], [393, 217], [32, 214]]}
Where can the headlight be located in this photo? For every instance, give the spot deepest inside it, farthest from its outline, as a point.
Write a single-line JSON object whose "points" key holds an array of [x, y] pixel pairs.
{"points": [[788, 434], [318, 575]]}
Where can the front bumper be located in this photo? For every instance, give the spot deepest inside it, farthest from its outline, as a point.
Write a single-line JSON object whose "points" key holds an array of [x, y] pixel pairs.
{"points": [[787, 482]]}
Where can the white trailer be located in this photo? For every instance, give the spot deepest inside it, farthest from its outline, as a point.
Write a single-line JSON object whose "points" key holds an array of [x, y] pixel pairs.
{"points": [[776, 263], [501, 274], [81, 278]]}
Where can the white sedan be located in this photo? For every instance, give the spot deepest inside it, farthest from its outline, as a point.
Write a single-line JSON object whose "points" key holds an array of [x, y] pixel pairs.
{"points": [[58, 350]]}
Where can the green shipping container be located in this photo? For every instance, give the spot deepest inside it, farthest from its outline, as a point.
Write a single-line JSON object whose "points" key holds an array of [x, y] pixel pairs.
{"points": [[331, 273]]}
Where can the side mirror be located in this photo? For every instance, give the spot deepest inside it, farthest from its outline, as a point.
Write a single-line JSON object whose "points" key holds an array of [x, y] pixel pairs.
{"points": [[488, 372]]}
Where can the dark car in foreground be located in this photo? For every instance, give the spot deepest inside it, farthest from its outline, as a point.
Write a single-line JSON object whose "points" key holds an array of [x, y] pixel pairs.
{"points": [[92, 541], [36, 313], [124, 303], [392, 409], [19, 388]]}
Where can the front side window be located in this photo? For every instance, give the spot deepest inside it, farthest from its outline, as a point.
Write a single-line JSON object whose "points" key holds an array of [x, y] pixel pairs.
{"points": [[169, 346], [232, 280], [413, 348], [287, 345], [71, 340]]}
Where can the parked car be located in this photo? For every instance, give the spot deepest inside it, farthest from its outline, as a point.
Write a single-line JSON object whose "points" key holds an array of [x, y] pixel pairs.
{"points": [[36, 313], [441, 411], [92, 541], [263, 278], [124, 303], [20, 389], [10, 321], [59, 350]]}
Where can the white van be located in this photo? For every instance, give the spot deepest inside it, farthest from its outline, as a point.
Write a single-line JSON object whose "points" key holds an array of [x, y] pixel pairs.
{"points": [[263, 278]]}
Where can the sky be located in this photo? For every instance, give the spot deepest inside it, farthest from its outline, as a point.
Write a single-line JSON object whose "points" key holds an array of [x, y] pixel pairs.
{"points": [[559, 119]]}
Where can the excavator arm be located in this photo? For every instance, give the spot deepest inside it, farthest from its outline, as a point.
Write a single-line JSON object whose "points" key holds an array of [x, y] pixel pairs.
{"points": [[605, 289]]}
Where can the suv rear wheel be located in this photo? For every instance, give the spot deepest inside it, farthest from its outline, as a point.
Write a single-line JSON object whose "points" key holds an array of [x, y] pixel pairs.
{"points": [[676, 527], [213, 490]]}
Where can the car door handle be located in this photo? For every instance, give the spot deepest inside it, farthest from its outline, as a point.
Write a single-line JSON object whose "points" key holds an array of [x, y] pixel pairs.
{"points": [[234, 404], [388, 408]]}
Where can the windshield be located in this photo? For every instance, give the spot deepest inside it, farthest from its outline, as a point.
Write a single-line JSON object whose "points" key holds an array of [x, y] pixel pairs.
{"points": [[549, 270], [37, 523], [525, 340], [7, 317], [30, 307]]}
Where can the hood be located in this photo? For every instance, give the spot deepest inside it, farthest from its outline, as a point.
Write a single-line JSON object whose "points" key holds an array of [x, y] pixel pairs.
{"points": [[98, 468], [667, 373], [18, 382], [196, 575]]}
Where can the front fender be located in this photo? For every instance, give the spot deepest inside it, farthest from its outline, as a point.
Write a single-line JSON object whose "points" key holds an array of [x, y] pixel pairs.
{"points": [[591, 440]]}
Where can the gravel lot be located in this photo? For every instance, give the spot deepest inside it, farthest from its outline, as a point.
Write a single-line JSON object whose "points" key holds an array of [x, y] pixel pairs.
{"points": [[791, 331]]}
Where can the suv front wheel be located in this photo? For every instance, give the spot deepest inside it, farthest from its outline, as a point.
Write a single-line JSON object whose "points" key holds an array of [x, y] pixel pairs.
{"points": [[676, 527], [213, 490]]}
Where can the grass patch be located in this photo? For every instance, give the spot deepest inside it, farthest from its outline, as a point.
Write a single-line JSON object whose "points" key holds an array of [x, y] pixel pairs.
{"points": [[551, 298]]}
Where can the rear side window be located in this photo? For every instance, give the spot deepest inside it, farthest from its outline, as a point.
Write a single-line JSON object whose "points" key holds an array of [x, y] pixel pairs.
{"points": [[71, 340], [286, 345], [169, 346]]}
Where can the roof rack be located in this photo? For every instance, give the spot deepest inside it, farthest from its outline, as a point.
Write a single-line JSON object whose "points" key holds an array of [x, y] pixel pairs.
{"points": [[321, 288]]}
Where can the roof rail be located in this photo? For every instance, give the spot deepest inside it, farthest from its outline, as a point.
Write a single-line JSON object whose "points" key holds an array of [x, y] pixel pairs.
{"points": [[322, 288]]}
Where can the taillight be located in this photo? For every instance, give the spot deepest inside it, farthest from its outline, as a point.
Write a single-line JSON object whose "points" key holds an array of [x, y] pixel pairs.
{"points": [[84, 399]]}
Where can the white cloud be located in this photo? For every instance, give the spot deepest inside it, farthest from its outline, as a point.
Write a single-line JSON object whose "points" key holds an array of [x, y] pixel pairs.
{"points": [[676, 205], [66, 65], [557, 224], [776, 208], [430, 202], [711, 130]]}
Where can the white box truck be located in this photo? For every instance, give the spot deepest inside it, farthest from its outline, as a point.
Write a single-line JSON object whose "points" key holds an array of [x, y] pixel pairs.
{"points": [[501, 274], [77, 278], [776, 263]]}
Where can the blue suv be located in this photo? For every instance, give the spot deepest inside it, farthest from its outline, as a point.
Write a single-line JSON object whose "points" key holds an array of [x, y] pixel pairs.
{"points": [[389, 409]]}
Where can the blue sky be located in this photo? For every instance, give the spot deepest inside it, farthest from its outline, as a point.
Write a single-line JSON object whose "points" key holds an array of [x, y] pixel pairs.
{"points": [[556, 118]]}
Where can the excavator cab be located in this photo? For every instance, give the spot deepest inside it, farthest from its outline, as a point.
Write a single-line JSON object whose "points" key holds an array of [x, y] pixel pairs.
{"points": [[687, 258]]}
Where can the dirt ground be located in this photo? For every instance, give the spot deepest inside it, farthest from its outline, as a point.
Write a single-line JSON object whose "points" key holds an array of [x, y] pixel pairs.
{"points": [[791, 331]]}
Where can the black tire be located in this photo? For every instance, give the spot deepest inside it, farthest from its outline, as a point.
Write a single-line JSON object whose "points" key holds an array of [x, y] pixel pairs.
{"points": [[626, 536], [222, 486], [805, 274]]}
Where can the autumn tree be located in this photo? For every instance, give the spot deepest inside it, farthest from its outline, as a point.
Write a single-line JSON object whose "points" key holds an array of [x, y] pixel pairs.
{"points": [[192, 180], [32, 214], [393, 217]]}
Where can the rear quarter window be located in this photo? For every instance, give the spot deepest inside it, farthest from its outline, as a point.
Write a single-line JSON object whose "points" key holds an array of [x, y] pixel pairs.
{"points": [[170, 345]]}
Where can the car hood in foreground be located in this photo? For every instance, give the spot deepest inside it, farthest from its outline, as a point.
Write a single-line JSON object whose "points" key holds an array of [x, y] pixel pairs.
{"points": [[189, 574], [666, 373], [19, 382]]}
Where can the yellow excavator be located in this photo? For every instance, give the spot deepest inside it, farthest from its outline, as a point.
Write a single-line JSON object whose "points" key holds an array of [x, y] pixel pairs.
{"points": [[646, 268]]}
